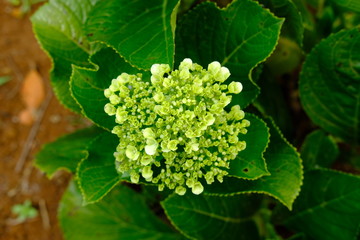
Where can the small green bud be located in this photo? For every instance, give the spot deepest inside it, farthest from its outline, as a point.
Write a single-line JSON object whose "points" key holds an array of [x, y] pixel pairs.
{"points": [[209, 119], [172, 145], [214, 67], [108, 93], [146, 160], [148, 133], [235, 87], [131, 152], [197, 188], [159, 97], [186, 64], [114, 99], [180, 190], [147, 172], [134, 177], [110, 109]]}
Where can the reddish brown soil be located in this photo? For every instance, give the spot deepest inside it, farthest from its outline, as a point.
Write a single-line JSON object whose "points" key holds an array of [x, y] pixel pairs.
{"points": [[19, 53]]}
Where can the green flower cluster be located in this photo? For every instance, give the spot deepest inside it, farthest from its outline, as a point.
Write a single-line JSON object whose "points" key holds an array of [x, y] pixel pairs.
{"points": [[174, 129]]}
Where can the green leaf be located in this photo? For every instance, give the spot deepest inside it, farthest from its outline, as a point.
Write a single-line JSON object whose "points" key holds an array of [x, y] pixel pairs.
{"points": [[330, 85], [284, 165], [213, 217], [141, 31], [250, 162], [353, 5], [66, 152], [58, 27], [123, 214], [97, 173], [87, 85], [328, 206], [293, 25], [319, 150], [232, 36]]}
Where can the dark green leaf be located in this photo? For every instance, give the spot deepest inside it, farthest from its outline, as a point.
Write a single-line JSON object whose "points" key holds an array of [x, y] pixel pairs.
{"points": [[213, 217], [123, 214], [328, 206], [250, 162], [66, 152], [318, 150], [141, 31], [87, 85], [58, 27], [284, 165], [97, 173], [293, 26], [353, 5], [239, 37], [330, 85]]}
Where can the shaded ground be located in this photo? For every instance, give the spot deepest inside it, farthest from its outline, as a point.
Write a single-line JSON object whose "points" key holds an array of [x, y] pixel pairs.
{"points": [[19, 180]]}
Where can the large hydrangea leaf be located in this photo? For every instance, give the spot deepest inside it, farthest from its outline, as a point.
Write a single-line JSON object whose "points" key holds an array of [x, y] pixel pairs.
{"points": [[214, 217], [328, 206], [123, 214], [330, 85], [97, 173], [141, 31], [58, 25], [66, 152], [239, 37]]}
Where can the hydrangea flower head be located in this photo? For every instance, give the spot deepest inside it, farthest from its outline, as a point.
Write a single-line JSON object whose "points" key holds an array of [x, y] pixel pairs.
{"points": [[173, 128]]}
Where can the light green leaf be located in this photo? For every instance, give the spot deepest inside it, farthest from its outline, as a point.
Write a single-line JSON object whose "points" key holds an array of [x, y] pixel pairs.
{"points": [[123, 214], [328, 206], [284, 165], [293, 25], [97, 173], [319, 150], [58, 27], [330, 85], [213, 217], [250, 163], [239, 37], [87, 85], [66, 152], [141, 31]]}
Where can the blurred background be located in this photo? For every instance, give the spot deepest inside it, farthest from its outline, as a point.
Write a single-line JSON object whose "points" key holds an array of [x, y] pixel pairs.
{"points": [[30, 116]]}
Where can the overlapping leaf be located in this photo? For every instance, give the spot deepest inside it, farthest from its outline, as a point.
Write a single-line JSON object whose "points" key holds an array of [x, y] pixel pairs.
{"points": [[328, 206], [66, 152], [141, 31], [330, 85], [123, 214], [97, 173], [319, 150], [293, 25], [58, 25], [284, 165], [213, 217], [250, 163], [239, 36]]}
